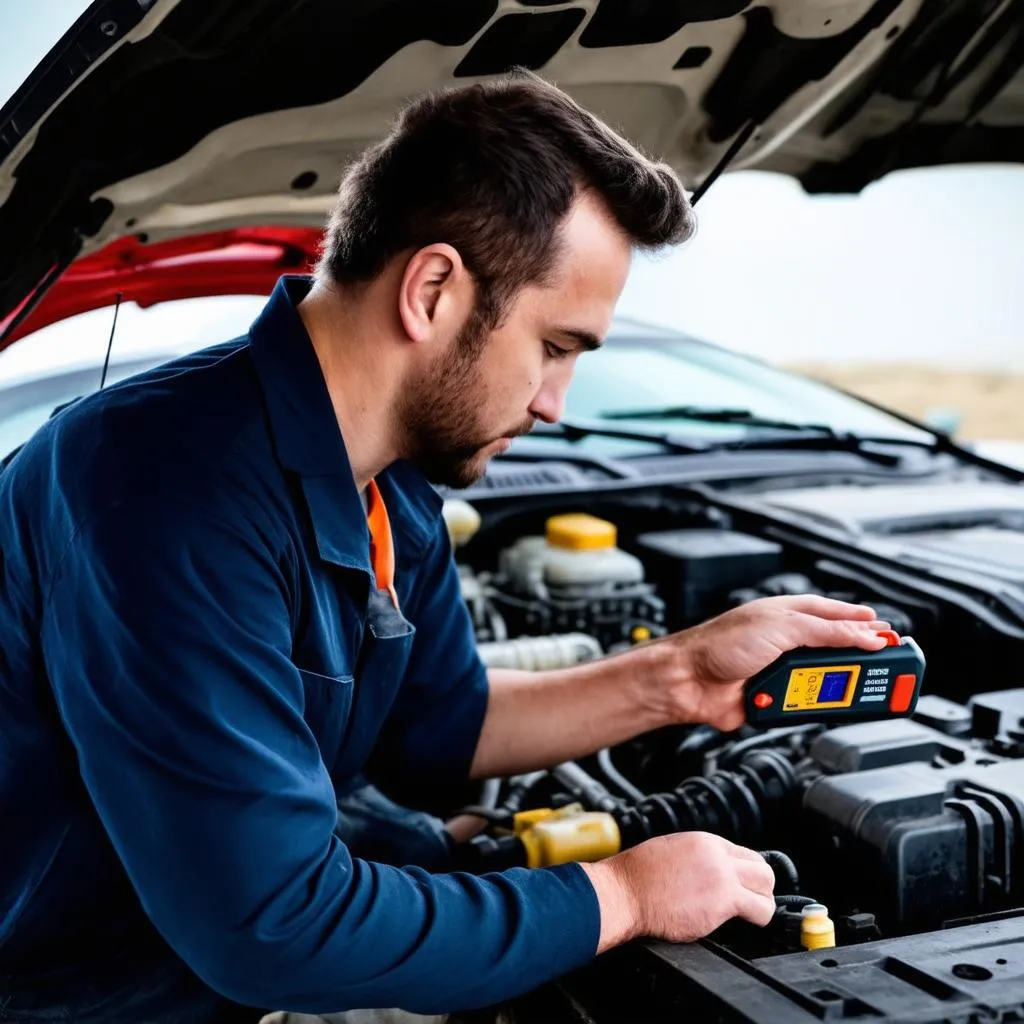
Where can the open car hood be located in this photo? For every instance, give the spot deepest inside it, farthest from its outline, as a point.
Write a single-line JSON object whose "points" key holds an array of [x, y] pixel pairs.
{"points": [[154, 121]]}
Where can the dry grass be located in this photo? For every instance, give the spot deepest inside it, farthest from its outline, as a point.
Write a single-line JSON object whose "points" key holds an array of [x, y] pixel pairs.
{"points": [[990, 405]]}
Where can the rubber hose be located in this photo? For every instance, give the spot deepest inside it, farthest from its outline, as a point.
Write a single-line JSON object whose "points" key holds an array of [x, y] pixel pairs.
{"points": [[784, 868], [791, 902], [621, 783]]}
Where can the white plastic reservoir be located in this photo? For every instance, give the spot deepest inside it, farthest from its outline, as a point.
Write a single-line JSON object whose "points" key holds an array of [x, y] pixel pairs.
{"points": [[578, 552]]}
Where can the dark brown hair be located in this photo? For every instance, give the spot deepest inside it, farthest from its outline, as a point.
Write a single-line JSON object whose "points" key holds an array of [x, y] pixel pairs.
{"points": [[491, 169]]}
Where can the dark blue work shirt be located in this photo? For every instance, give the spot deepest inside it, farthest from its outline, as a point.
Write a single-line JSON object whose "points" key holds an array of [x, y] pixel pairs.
{"points": [[184, 577]]}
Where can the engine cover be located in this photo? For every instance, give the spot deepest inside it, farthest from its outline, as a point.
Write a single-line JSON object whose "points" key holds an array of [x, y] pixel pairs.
{"points": [[920, 845]]}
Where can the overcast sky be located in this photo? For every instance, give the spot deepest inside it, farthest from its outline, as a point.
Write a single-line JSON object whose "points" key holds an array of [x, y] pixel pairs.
{"points": [[922, 266]]}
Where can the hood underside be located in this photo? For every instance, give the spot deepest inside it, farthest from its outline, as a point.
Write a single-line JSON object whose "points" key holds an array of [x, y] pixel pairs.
{"points": [[156, 120]]}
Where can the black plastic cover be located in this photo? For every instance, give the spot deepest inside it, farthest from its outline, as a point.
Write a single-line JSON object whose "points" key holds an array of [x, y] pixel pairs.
{"points": [[696, 569], [856, 748], [962, 976], [920, 845]]}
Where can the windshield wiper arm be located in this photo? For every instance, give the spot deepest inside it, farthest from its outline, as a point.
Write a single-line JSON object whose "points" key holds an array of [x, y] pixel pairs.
{"points": [[573, 430], [815, 438], [709, 414], [806, 435], [833, 441]]}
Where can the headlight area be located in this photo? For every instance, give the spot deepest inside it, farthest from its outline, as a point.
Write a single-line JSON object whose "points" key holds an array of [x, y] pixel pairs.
{"points": [[898, 846]]}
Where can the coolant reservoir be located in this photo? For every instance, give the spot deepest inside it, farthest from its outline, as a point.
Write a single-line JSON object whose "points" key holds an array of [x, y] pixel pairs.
{"points": [[580, 551], [461, 519]]}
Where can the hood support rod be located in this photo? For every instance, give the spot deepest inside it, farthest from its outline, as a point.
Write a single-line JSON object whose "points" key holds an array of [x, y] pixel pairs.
{"points": [[727, 158]]}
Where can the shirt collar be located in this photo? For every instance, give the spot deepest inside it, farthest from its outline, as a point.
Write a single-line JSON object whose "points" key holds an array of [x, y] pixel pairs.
{"points": [[308, 441]]}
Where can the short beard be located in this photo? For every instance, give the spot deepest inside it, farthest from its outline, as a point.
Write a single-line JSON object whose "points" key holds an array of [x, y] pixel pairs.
{"points": [[440, 416]]}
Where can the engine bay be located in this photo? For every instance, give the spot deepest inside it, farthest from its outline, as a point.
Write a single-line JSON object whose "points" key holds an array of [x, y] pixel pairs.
{"points": [[906, 831]]}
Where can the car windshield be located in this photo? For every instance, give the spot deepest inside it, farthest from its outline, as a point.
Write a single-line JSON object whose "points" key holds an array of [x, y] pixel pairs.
{"points": [[673, 381], [640, 369]]}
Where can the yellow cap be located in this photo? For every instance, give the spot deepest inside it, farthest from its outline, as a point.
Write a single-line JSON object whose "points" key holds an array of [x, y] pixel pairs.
{"points": [[638, 634], [580, 532], [816, 928]]}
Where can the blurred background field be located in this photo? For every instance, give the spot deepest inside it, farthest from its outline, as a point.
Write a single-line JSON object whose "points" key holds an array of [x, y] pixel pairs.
{"points": [[983, 404]]}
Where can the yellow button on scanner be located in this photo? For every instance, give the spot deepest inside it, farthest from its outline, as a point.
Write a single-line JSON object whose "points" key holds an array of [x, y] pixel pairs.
{"points": [[580, 532]]}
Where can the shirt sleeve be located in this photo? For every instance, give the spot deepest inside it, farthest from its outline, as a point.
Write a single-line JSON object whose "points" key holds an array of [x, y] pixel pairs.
{"points": [[433, 728], [166, 637]]}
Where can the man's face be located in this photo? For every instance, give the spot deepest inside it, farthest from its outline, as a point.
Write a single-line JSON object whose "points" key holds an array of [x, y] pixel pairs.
{"points": [[487, 388]]}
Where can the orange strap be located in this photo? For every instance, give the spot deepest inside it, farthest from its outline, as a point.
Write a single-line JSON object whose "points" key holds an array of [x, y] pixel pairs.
{"points": [[382, 546]]}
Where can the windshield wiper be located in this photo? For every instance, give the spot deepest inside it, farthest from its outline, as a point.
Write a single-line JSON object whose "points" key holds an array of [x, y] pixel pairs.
{"points": [[832, 442], [806, 436], [709, 414], [573, 430], [813, 438]]}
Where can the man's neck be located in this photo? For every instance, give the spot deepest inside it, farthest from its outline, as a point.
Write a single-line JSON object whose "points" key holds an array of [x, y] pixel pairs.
{"points": [[349, 347]]}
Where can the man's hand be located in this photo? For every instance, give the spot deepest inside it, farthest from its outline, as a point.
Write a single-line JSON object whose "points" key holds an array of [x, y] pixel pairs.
{"points": [[680, 888], [702, 670]]}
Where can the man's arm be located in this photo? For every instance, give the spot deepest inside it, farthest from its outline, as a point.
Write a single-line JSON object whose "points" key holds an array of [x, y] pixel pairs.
{"points": [[167, 638], [537, 719]]}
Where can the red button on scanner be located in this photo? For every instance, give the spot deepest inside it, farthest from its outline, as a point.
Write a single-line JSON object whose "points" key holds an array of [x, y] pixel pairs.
{"points": [[902, 692], [763, 700], [892, 638]]}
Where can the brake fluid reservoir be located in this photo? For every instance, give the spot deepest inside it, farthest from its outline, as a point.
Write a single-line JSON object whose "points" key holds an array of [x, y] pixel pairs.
{"points": [[580, 552]]}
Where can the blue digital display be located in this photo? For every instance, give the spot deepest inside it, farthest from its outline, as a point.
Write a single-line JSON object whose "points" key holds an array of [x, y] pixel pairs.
{"points": [[833, 687]]}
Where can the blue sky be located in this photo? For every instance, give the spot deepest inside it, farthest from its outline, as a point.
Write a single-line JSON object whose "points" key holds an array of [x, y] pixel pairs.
{"points": [[924, 266]]}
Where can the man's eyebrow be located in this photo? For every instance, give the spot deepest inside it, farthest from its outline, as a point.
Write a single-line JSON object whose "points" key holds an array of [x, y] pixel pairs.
{"points": [[588, 340]]}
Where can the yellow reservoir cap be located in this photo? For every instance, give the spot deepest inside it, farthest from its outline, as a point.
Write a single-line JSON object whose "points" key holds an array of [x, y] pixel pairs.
{"points": [[816, 928], [582, 836], [579, 531]]}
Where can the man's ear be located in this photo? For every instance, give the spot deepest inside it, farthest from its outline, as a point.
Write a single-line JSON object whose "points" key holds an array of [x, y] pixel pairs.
{"points": [[433, 292]]}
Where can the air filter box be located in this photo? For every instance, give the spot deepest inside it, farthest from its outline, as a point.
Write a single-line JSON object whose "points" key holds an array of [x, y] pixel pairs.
{"points": [[694, 570]]}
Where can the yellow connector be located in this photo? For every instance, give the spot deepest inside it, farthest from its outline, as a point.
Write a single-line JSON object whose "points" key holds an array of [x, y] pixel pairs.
{"points": [[524, 820], [567, 835], [816, 928]]}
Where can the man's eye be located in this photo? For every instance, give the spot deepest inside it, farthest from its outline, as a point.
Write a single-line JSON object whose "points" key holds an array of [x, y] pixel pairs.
{"points": [[554, 352]]}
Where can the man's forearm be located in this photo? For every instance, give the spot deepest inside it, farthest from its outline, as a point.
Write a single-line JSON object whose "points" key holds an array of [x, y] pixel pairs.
{"points": [[537, 719]]}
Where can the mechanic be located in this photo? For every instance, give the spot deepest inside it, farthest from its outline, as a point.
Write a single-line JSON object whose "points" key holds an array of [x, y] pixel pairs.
{"points": [[232, 621]]}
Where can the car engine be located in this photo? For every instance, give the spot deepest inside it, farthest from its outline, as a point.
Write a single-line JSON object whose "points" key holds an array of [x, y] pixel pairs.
{"points": [[906, 834]]}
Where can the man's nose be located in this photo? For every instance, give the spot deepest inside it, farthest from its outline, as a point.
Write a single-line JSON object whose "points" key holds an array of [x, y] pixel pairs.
{"points": [[549, 403]]}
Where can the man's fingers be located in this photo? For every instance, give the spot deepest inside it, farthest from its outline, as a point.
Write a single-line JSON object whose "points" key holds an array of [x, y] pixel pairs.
{"points": [[755, 907], [823, 633], [731, 719], [827, 608], [743, 853], [757, 878]]}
